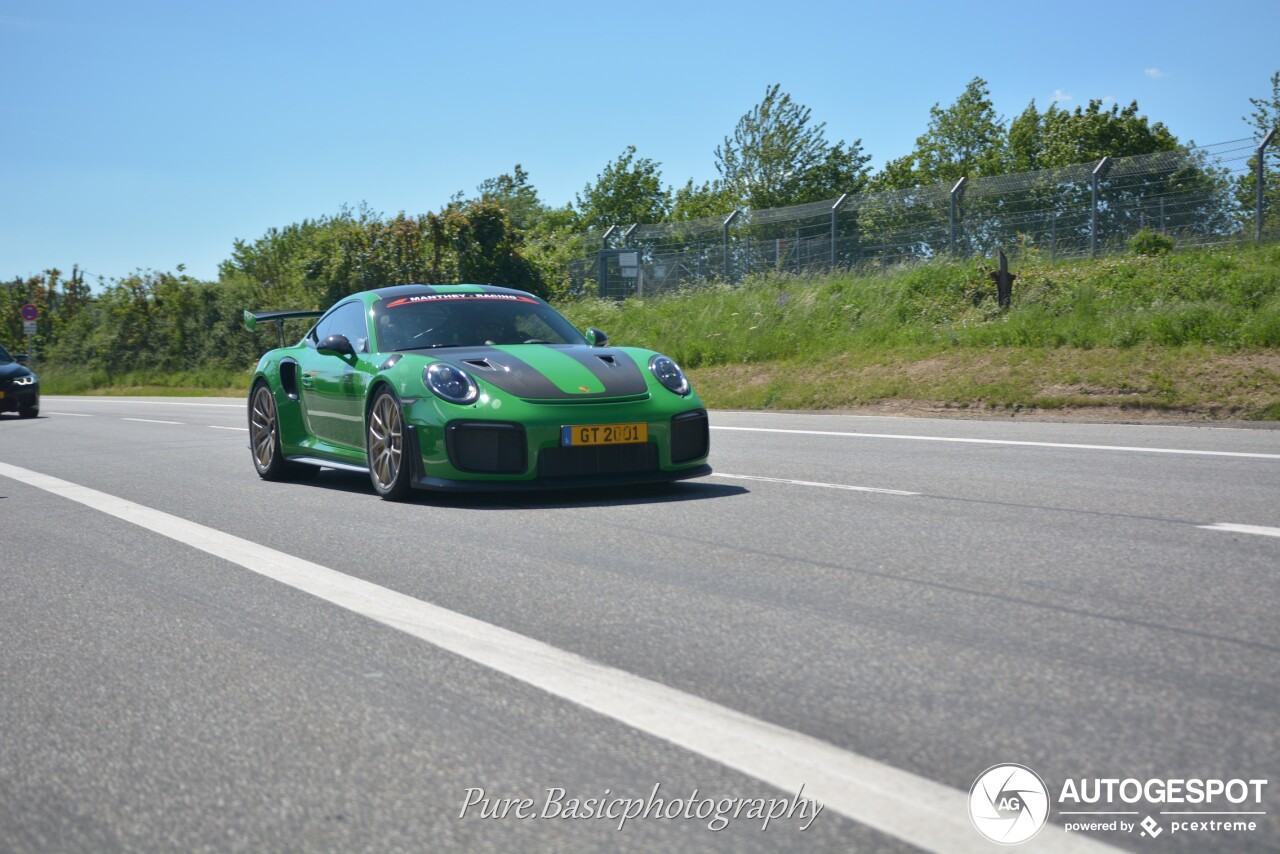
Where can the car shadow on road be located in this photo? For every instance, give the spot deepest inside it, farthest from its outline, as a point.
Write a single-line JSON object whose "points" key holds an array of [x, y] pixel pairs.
{"points": [[604, 496], [595, 496]]}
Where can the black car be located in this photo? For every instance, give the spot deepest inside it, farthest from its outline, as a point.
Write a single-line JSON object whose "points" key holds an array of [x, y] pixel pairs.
{"points": [[19, 387]]}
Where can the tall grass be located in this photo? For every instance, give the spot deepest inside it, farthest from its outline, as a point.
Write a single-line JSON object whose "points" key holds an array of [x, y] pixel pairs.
{"points": [[59, 379], [1226, 298], [1197, 332]]}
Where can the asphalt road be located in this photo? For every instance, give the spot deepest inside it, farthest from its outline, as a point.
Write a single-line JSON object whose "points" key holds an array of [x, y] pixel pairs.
{"points": [[899, 603]]}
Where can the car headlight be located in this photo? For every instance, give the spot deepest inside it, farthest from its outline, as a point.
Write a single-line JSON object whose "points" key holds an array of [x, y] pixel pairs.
{"points": [[450, 384], [669, 374], [29, 379]]}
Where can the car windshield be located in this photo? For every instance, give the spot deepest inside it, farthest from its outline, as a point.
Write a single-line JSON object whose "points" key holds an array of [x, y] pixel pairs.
{"points": [[5, 358], [430, 321]]}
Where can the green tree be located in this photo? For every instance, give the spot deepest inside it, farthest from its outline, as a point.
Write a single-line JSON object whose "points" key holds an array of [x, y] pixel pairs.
{"points": [[488, 249], [709, 199], [13, 296], [965, 139], [162, 322], [551, 245], [1091, 133], [356, 255], [1264, 119], [909, 216], [1158, 184], [293, 265], [897, 174], [1176, 189], [59, 301], [1025, 141], [514, 194], [629, 190], [776, 157]]}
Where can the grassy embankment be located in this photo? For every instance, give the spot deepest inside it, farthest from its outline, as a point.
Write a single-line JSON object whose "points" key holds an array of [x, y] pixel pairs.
{"points": [[1188, 334], [60, 379]]}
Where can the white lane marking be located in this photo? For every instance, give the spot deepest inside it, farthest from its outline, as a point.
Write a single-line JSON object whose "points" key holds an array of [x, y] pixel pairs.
{"points": [[1066, 445], [815, 483], [1242, 529], [917, 810], [144, 402], [147, 420]]}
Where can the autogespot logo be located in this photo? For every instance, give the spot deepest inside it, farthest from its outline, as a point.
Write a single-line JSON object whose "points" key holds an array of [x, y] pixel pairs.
{"points": [[1008, 804]]}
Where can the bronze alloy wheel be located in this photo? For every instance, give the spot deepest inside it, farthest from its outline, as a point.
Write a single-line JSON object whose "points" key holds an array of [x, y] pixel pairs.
{"points": [[262, 429], [386, 447]]}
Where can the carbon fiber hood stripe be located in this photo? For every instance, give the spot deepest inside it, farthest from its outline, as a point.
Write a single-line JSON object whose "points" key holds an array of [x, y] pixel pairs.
{"points": [[526, 370]]}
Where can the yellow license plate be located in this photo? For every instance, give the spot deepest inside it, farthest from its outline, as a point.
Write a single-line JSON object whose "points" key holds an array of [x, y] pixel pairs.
{"points": [[1, 395], [603, 434]]}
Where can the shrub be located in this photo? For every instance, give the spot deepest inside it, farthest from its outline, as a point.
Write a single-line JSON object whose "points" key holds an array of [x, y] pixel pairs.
{"points": [[1148, 242]]}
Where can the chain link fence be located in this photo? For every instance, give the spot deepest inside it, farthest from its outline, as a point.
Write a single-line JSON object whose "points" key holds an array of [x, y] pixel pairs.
{"points": [[1197, 196]]}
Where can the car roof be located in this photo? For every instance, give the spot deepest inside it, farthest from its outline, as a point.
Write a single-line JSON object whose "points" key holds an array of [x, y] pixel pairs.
{"points": [[398, 291]]}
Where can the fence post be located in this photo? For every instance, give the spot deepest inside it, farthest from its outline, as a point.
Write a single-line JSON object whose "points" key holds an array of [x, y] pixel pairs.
{"points": [[626, 235], [602, 264], [956, 193], [728, 271], [1260, 176], [835, 211], [1098, 171]]}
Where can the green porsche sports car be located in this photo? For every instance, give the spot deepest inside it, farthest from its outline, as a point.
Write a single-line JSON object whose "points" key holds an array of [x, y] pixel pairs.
{"points": [[468, 387]]}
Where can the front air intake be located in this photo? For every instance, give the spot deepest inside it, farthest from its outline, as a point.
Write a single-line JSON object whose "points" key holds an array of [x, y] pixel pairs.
{"points": [[487, 447], [690, 437]]}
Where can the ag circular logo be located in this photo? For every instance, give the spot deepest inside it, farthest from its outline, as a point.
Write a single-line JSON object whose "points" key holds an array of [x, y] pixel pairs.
{"points": [[1008, 804]]}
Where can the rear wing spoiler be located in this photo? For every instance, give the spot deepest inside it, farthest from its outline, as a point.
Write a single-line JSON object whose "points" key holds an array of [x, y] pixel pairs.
{"points": [[253, 318]]}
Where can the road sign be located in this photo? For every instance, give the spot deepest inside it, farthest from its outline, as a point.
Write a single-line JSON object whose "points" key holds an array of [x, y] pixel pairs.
{"points": [[28, 328], [29, 312]]}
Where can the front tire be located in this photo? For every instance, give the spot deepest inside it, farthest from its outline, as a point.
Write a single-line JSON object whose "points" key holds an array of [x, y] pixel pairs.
{"points": [[385, 445], [28, 411]]}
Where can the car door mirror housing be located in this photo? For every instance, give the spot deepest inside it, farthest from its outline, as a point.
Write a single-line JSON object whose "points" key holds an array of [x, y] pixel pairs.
{"points": [[336, 345], [596, 338]]}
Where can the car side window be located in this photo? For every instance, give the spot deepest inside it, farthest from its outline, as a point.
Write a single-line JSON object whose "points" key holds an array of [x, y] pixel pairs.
{"points": [[348, 320], [530, 326]]}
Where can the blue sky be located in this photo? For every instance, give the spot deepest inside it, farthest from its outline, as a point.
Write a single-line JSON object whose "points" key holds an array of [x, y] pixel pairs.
{"points": [[150, 134]]}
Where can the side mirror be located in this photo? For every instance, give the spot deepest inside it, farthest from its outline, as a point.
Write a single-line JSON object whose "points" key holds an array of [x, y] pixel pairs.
{"points": [[20, 357], [596, 338], [336, 345]]}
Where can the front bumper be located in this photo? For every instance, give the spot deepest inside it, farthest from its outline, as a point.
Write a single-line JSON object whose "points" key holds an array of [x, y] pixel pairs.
{"points": [[473, 454], [18, 397]]}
